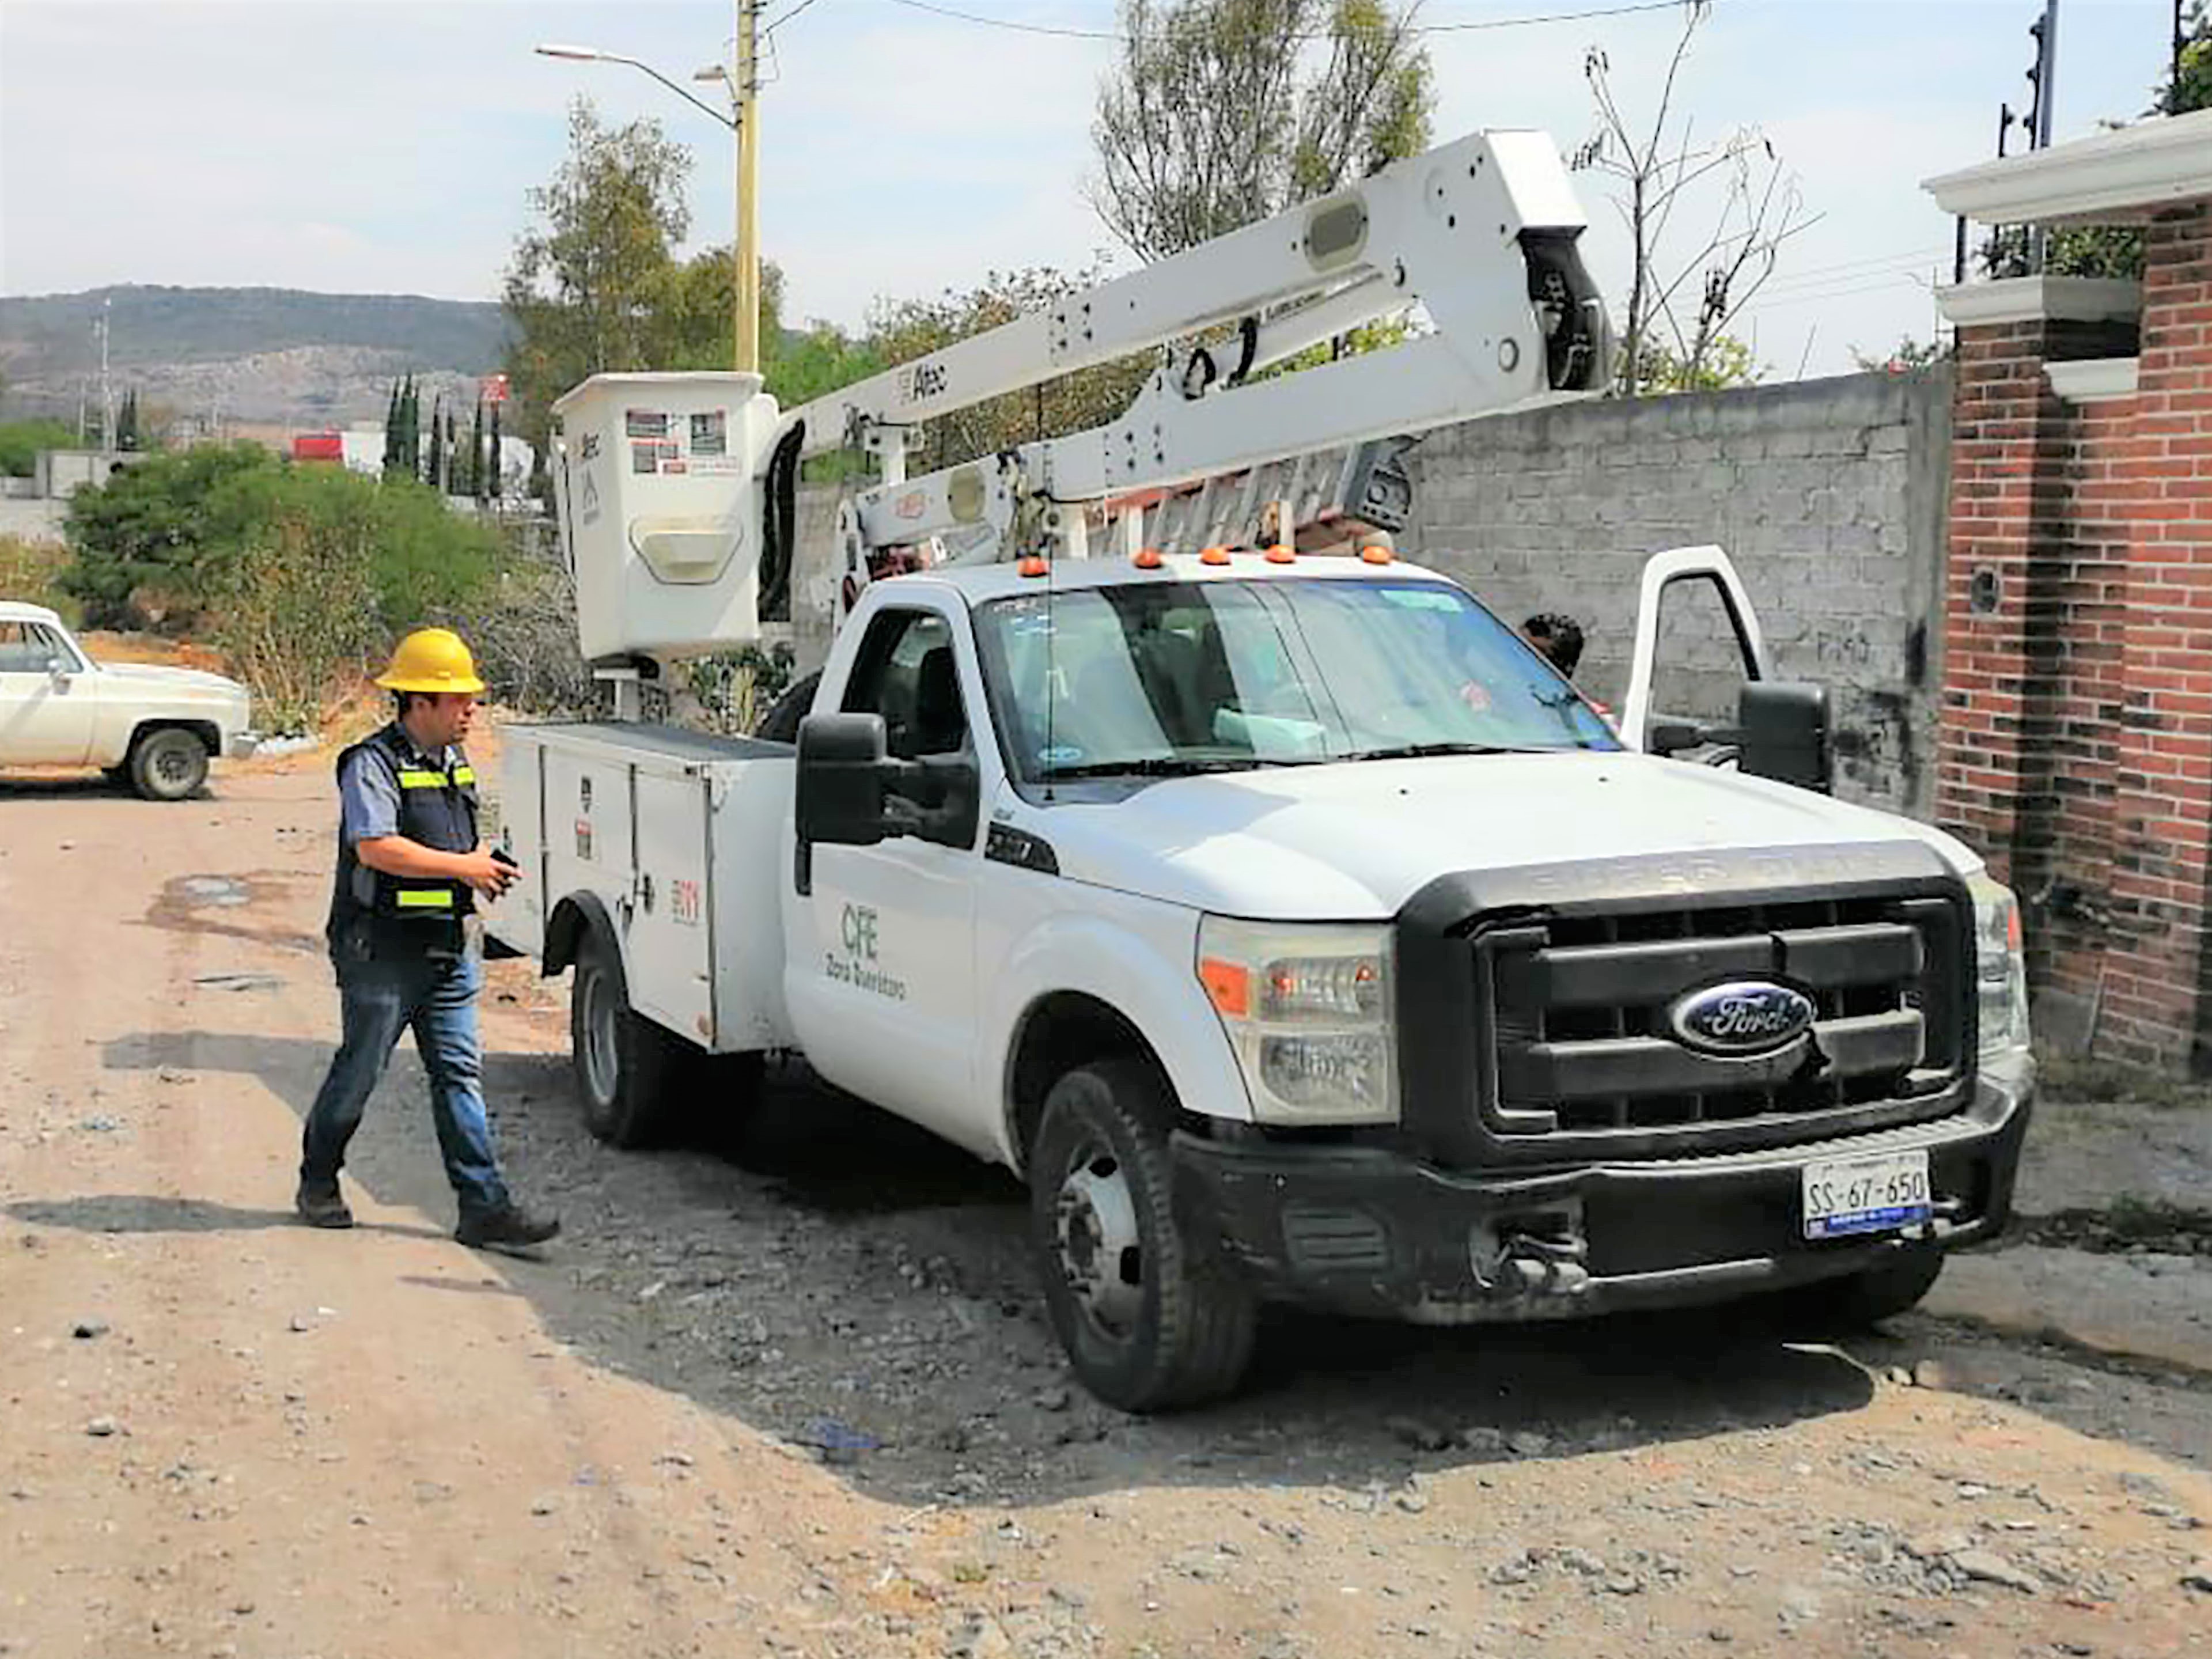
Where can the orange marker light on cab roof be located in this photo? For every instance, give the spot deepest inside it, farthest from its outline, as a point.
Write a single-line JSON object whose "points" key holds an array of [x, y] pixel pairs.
{"points": [[1033, 566], [1376, 553], [1147, 558], [1228, 986], [1214, 555], [1279, 554]]}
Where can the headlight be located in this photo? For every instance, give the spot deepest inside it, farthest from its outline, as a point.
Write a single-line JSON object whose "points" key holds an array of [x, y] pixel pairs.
{"points": [[2000, 969], [1308, 1010]]}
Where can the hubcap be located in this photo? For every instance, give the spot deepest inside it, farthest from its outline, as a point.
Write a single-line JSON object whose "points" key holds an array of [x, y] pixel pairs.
{"points": [[600, 1068], [172, 764], [1101, 1253]]}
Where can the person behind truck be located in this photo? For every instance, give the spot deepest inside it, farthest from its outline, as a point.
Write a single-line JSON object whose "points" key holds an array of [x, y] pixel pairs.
{"points": [[1559, 638], [407, 954]]}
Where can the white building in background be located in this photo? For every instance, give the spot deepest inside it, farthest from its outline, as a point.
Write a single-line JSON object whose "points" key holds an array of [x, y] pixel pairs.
{"points": [[362, 451]]}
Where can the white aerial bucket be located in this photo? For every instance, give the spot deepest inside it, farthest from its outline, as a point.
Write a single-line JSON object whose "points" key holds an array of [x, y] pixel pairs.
{"points": [[661, 510]]}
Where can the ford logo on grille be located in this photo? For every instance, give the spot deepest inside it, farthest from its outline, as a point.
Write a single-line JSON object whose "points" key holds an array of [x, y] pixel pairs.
{"points": [[1749, 1018]]}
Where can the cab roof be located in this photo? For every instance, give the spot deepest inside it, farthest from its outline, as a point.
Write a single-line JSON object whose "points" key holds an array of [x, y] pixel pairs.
{"points": [[980, 584], [23, 610]]}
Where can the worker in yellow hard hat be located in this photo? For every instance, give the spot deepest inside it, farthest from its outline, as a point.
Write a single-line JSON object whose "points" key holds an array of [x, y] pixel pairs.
{"points": [[410, 871]]}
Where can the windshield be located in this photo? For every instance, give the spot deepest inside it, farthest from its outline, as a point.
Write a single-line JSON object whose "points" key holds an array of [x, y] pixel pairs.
{"points": [[1159, 678]]}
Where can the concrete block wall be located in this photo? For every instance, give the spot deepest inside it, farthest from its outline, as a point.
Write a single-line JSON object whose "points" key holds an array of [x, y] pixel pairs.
{"points": [[1829, 495]]}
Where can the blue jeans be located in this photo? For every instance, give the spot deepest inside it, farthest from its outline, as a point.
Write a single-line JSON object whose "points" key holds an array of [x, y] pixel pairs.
{"points": [[378, 999]]}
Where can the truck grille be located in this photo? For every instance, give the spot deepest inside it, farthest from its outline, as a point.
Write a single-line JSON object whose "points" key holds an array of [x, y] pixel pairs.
{"points": [[1575, 1007]]}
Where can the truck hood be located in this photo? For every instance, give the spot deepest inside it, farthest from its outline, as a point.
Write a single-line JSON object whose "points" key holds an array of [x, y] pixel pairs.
{"points": [[153, 677], [1354, 841]]}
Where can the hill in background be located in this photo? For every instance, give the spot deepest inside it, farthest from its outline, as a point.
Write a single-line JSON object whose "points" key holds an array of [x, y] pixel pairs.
{"points": [[226, 355]]}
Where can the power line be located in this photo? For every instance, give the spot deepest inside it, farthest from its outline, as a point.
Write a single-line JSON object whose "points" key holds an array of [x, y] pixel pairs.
{"points": [[779, 23], [1067, 33]]}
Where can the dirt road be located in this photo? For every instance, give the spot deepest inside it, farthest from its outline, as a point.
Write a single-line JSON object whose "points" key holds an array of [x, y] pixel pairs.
{"points": [[790, 1392]]}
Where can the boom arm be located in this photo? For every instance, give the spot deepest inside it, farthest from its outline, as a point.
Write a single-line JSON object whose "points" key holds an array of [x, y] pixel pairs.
{"points": [[1482, 233]]}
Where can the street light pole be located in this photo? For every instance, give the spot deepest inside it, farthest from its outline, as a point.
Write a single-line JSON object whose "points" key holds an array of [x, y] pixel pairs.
{"points": [[746, 248], [743, 83]]}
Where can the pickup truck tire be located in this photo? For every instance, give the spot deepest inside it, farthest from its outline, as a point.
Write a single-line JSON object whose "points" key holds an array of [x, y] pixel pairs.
{"points": [[168, 765], [626, 1066], [1892, 1286], [1153, 1314]]}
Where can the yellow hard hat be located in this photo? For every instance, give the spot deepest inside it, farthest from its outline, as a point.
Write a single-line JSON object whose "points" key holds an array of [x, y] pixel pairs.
{"points": [[431, 659]]}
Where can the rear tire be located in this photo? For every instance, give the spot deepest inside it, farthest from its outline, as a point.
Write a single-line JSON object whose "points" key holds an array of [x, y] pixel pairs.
{"points": [[627, 1068], [1151, 1312], [170, 764]]}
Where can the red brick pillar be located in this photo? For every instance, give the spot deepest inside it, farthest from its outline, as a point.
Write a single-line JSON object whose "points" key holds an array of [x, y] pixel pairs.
{"points": [[2015, 446], [2156, 1005]]}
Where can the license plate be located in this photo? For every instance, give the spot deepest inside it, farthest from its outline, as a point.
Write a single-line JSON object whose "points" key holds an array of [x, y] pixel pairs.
{"points": [[1876, 1193]]}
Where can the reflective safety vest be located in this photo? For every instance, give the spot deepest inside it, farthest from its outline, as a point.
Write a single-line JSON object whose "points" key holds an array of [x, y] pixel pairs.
{"points": [[437, 809]]}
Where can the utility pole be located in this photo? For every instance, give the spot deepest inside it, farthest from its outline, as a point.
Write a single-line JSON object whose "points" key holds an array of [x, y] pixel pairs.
{"points": [[746, 245], [2045, 74], [106, 392]]}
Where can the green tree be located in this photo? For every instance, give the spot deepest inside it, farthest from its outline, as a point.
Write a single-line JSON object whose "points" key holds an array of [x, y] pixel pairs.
{"points": [[589, 276], [22, 440], [1214, 117], [1727, 362], [436, 461], [126, 422], [1911, 354], [476, 478], [496, 459], [164, 522], [392, 431]]}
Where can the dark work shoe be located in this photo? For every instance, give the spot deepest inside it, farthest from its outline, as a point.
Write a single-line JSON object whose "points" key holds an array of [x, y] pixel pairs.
{"points": [[321, 1205], [509, 1227]]}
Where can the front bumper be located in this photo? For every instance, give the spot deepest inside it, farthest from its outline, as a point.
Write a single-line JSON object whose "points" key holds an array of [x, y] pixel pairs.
{"points": [[1366, 1230], [240, 746]]}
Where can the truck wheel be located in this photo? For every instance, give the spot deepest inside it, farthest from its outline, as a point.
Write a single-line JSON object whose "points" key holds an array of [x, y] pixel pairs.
{"points": [[1892, 1286], [169, 764], [1153, 1314], [625, 1065]]}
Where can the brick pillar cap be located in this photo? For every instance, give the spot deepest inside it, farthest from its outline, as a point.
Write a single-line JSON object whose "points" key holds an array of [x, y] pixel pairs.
{"points": [[2040, 299]]}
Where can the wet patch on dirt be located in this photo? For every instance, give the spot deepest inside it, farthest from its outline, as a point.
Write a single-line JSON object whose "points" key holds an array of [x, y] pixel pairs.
{"points": [[208, 903]]}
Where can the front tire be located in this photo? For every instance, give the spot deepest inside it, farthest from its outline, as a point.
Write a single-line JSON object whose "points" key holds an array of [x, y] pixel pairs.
{"points": [[1153, 1314], [171, 764]]}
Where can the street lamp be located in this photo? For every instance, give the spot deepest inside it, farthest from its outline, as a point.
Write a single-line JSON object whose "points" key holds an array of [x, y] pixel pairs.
{"points": [[742, 120]]}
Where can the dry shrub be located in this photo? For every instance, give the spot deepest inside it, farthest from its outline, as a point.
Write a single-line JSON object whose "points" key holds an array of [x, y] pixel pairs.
{"points": [[295, 611], [31, 569]]}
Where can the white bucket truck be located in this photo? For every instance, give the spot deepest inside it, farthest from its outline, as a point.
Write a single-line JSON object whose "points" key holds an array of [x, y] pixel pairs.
{"points": [[1283, 920]]}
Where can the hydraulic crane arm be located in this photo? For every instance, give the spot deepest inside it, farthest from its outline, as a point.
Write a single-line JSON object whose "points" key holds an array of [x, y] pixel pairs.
{"points": [[1480, 234]]}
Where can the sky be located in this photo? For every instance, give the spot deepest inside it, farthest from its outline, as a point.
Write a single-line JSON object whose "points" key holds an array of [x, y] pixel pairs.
{"points": [[386, 146]]}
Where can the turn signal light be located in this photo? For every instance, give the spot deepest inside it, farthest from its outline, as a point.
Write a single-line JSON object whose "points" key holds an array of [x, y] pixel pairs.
{"points": [[1228, 986]]}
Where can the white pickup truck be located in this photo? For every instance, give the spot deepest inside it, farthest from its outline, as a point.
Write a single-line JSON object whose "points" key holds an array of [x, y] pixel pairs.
{"points": [[1296, 932], [153, 727]]}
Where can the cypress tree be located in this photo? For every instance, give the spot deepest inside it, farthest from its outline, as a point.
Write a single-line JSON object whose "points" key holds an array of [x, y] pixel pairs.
{"points": [[436, 476], [476, 453]]}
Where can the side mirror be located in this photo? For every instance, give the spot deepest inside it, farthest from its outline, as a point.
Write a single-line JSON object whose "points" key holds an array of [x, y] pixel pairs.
{"points": [[59, 672], [840, 780], [1782, 728]]}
